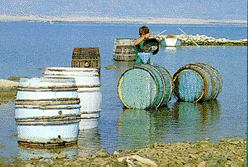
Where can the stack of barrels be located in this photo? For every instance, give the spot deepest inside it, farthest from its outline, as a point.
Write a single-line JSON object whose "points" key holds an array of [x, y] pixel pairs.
{"points": [[52, 109], [147, 86]]}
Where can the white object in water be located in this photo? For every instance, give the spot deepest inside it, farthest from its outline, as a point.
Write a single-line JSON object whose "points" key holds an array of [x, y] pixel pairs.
{"points": [[89, 92]]}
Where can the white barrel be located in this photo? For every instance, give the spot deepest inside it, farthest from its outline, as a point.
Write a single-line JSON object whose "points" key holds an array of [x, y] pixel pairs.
{"points": [[89, 92], [47, 112]]}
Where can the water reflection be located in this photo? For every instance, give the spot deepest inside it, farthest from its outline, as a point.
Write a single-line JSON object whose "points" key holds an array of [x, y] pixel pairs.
{"points": [[135, 129], [198, 114], [181, 121], [89, 141], [28, 153]]}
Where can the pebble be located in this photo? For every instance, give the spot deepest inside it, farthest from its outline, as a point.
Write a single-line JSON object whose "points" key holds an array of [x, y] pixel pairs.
{"points": [[231, 152]]}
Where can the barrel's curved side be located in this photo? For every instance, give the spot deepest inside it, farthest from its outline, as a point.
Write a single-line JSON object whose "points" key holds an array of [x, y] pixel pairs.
{"points": [[219, 80], [201, 76], [122, 88], [89, 92], [210, 87], [168, 86], [45, 117], [159, 80]]}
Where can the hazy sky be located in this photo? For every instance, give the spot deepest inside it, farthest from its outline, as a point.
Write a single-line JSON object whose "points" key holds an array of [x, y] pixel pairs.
{"points": [[194, 9]]}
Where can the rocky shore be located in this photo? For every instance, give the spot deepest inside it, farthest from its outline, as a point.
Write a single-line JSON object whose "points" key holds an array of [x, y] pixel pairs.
{"points": [[227, 152], [188, 40]]}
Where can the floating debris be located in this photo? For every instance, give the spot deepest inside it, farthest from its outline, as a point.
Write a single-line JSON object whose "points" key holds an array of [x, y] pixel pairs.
{"points": [[111, 67], [14, 134]]}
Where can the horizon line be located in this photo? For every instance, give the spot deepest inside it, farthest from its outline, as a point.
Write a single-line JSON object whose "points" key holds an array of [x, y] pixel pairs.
{"points": [[124, 19]]}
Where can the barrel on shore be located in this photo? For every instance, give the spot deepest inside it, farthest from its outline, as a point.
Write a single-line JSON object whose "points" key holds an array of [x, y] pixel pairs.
{"points": [[89, 92], [47, 112], [197, 82], [145, 86]]}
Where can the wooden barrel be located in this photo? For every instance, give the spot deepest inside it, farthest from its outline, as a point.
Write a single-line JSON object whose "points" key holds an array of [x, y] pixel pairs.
{"points": [[47, 112], [89, 92], [124, 41], [197, 83], [145, 86], [124, 49], [86, 58]]}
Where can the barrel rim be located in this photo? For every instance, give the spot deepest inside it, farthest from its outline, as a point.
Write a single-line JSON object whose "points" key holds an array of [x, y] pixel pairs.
{"points": [[47, 145], [71, 69]]}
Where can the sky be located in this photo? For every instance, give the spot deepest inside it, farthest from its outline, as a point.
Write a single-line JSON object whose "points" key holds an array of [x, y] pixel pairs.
{"points": [[190, 9]]}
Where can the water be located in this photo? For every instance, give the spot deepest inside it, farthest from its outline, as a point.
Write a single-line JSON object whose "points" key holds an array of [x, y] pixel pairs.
{"points": [[26, 46]]}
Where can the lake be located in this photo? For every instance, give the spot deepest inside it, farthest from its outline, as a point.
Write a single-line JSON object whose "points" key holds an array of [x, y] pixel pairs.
{"points": [[28, 46]]}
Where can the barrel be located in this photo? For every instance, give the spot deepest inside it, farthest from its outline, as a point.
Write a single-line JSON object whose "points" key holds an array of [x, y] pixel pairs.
{"points": [[124, 49], [86, 58], [89, 92], [145, 86], [124, 41], [47, 112], [197, 82]]}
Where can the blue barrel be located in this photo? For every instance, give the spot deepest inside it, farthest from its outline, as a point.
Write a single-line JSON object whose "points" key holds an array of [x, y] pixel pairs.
{"points": [[145, 86], [197, 82]]}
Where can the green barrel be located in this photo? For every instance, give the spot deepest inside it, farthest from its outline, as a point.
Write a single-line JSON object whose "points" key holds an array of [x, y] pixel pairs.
{"points": [[197, 82], [145, 86]]}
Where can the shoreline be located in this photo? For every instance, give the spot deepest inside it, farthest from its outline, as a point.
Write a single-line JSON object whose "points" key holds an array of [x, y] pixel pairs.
{"points": [[200, 153], [145, 20]]}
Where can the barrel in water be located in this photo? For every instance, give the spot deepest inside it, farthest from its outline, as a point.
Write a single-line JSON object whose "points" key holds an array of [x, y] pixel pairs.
{"points": [[86, 58], [89, 92], [47, 112], [145, 86], [197, 83]]}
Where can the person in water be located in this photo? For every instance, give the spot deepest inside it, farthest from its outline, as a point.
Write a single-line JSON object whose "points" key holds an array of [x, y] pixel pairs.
{"points": [[144, 33]]}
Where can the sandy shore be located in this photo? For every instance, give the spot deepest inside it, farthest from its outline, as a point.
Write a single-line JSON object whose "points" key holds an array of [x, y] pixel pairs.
{"points": [[149, 20], [8, 84]]}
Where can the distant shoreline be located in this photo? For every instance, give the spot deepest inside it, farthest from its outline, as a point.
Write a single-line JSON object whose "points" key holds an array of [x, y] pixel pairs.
{"points": [[51, 19]]}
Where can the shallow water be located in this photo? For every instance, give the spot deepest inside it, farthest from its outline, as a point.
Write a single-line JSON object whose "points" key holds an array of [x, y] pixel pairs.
{"points": [[26, 46]]}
